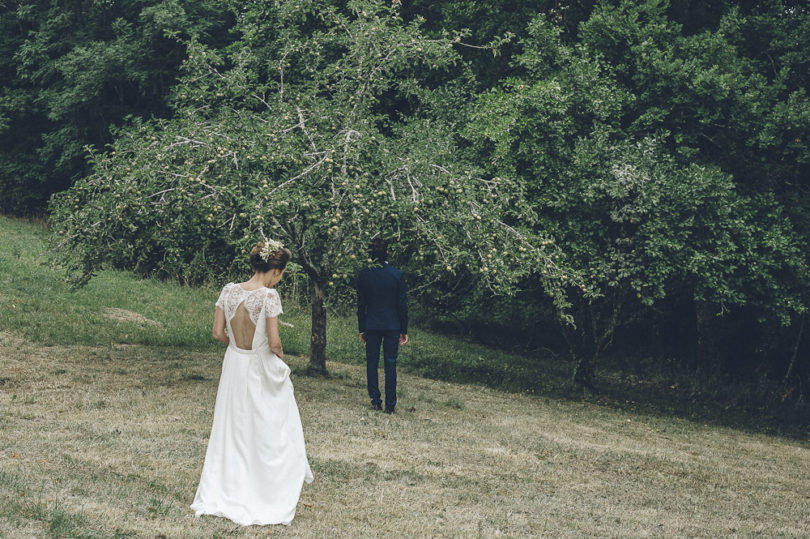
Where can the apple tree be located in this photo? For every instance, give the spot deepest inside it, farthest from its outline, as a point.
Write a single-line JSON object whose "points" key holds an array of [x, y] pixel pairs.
{"points": [[284, 134]]}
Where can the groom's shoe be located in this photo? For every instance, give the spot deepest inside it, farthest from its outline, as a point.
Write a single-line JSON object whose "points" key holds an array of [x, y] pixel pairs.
{"points": [[376, 407], [389, 411]]}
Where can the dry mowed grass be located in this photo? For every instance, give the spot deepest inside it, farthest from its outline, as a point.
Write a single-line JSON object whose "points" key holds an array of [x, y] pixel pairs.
{"points": [[109, 442]]}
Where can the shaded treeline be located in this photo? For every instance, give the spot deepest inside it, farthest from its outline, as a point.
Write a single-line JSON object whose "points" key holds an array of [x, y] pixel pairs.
{"points": [[660, 148], [70, 72], [709, 272]]}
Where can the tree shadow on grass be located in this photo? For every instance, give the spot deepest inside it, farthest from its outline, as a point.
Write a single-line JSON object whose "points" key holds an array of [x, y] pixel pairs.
{"points": [[734, 405], [743, 412]]}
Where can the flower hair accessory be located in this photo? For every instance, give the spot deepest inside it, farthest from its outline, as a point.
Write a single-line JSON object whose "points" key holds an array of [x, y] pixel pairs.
{"points": [[270, 246]]}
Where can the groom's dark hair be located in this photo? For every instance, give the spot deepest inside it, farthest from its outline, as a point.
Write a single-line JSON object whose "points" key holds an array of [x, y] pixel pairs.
{"points": [[379, 249]]}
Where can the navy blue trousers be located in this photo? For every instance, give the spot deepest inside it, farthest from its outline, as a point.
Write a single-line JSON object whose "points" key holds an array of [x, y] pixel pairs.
{"points": [[390, 346]]}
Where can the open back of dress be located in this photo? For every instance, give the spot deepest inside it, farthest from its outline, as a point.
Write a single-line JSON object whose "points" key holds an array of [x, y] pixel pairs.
{"points": [[243, 328]]}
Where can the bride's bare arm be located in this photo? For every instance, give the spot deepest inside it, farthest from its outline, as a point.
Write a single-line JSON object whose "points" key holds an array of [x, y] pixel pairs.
{"points": [[219, 327], [272, 337]]}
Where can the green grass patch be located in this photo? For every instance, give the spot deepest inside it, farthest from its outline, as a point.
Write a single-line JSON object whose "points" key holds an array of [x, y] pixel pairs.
{"points": [[115, 307], [119, 308]]}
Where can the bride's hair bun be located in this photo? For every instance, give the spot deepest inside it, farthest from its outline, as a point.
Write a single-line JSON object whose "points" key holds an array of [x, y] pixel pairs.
{"points": [[275, 260]]}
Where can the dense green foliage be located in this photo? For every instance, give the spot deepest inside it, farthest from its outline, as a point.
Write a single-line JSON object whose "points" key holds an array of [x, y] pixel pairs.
{"points": [[639, 221], [564, 174], [70, 71]]}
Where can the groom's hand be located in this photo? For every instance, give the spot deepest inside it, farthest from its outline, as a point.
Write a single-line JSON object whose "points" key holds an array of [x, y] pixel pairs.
{"points": [[403, 338], [363, 337]]}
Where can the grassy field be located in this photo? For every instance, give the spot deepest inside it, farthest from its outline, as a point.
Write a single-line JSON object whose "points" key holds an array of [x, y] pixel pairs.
{"points": [[107, 396], [109, 442]]}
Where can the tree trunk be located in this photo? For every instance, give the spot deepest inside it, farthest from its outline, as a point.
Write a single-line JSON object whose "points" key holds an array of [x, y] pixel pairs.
{"points": [[583, 372], [317, 349], [583, 366], [706, 349], [795, 351]]}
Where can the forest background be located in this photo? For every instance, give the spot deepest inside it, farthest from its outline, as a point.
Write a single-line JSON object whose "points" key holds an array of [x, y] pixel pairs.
{"points": [[609, 182]]}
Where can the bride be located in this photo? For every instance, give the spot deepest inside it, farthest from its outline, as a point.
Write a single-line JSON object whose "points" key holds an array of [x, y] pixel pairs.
{"points": [[256, 461]]}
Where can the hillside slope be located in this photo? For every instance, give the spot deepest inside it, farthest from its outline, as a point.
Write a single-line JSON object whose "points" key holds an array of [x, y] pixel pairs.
{"points": [[107, 396]]}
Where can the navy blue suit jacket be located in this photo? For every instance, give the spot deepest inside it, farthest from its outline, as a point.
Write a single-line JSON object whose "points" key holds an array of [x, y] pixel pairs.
{"points": [[382, 300]]}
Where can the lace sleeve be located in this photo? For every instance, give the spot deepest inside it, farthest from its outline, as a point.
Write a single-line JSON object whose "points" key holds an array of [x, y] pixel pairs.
{"points": [[272, 304], [222, 295]]}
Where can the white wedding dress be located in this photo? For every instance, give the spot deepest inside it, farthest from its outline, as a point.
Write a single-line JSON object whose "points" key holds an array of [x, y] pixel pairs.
{"points": [[256, 461]]}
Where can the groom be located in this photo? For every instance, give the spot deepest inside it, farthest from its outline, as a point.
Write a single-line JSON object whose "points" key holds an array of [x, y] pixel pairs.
{"points": [[382, 317]]}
